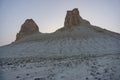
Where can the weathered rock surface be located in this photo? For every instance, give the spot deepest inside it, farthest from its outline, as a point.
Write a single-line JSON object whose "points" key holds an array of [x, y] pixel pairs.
{"points": [[73, 19], [29, 27]]}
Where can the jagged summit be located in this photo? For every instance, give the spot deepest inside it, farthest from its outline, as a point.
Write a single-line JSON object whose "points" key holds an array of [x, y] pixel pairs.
{"points": [[72, 18], [27, 28], [74, 27]]}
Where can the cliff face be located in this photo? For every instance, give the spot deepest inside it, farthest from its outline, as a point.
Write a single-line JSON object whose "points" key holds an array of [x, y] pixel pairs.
{"points": [[29, 27]]}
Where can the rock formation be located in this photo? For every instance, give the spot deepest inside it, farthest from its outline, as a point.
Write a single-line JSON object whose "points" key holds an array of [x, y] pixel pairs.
{"points": [[74, 19], [29, 27]]}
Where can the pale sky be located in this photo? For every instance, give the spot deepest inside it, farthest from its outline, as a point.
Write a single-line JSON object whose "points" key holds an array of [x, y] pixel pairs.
{"points": [[49, 15]]}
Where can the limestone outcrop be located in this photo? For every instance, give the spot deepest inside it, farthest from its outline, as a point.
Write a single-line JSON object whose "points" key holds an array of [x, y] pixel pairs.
{"points": [[27, 28], [72, 18]]}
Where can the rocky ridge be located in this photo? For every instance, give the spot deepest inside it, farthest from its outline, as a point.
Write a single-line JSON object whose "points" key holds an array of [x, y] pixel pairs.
{"points": [[72, 19]]}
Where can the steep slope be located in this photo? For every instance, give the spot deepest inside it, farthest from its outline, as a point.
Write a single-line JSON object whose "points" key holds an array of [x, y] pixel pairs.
{"points": [[77, 51]]}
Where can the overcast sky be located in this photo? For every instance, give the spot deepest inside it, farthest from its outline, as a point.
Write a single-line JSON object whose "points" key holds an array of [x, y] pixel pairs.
{"points": [[49, 15]]}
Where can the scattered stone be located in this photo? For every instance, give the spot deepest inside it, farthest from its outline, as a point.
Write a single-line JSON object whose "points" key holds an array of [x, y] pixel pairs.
{"points": [[86, 78], [105, 70], [39, 79], [17, 76], [99, 78], [62, 76], [98, 73], [27, 74]]}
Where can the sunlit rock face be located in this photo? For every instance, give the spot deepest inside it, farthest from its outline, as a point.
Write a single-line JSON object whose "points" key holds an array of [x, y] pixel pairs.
{"points": [[28, 27], [72, 18]]}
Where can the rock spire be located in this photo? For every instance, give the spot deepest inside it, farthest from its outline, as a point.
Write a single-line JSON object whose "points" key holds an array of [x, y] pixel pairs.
{"points": [[72, 18], [27, 28]]}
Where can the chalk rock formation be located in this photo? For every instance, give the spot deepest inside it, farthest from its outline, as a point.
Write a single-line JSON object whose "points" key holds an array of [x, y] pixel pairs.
{"points": [[74, 19], [28, 27]]}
